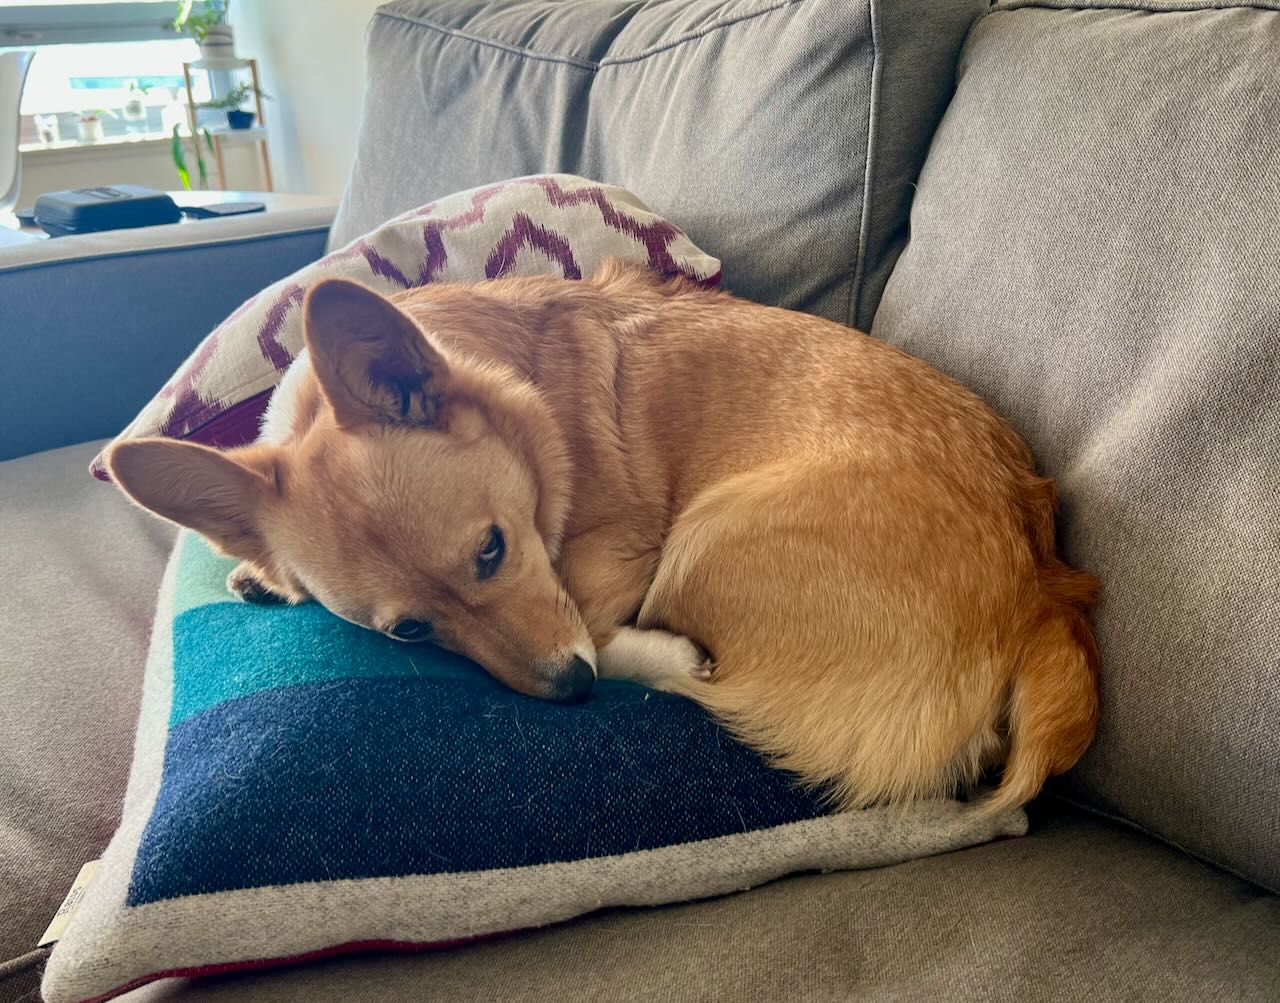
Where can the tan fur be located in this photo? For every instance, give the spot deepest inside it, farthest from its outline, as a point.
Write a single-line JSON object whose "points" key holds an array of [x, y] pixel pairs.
{"points": [[860, 544]]}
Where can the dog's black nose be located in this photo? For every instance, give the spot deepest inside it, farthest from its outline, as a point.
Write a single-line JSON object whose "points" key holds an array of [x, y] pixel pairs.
{"points": [[572, 684]]}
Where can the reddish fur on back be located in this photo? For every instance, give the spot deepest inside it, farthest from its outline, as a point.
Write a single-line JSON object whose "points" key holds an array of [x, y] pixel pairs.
{"points": [[701, 421]]}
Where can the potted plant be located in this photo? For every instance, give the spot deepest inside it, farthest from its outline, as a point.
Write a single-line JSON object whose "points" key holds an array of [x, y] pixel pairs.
{"points": [[47, 128], [209, 29], [135, 107], [233, 100], [91, 124]]}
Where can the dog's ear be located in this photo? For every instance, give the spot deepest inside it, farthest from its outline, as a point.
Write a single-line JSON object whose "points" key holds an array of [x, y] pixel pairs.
{"points": [[216, 494], [374, 363]]}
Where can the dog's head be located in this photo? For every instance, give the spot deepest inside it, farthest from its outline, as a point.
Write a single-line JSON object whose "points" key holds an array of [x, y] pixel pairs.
{"points": [[423, 496]]}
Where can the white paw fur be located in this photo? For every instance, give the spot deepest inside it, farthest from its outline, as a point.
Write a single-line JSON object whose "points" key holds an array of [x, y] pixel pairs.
{"points": [[655, 658]]}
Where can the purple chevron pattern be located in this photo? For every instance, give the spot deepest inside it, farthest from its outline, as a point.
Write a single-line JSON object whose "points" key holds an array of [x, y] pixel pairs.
{"points": [[554, 224], [525, 232]]}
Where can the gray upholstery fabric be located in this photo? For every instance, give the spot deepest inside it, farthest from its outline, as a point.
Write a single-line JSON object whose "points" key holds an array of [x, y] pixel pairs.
{"points": [[82, 567], [1094, 249], [1077, 910], [781, 135], [93, 325]]}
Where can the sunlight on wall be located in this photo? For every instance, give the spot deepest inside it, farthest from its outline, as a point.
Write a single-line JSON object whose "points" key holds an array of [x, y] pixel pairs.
{"points": [[312, 58]]}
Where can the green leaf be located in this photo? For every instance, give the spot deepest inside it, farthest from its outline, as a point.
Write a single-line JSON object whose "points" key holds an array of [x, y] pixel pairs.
{"points": [[184, 12], [180, 159], [204, 170]]}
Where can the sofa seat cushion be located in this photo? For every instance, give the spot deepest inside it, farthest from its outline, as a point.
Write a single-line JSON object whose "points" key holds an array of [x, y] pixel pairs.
{"points": [[83, 568], [1080, 909], [781, 135], [1094, 249]]}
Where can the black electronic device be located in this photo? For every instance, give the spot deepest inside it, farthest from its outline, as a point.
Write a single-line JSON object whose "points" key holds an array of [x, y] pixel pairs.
{"points": [[221, 209], [111, 207]]}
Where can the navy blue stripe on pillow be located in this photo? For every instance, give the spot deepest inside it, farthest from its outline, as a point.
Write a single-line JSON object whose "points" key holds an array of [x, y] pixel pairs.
{"points": [[360, 778]]}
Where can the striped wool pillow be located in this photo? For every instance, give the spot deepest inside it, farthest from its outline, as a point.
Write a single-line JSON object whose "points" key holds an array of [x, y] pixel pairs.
{"points": [[302, 787]]}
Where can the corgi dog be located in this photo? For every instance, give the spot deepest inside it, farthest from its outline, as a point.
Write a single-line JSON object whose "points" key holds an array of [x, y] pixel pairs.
{"points": [[841, 553]]}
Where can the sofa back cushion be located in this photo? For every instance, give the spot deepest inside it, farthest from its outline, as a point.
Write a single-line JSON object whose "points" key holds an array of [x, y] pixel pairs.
{"points": [[1095, 248], [781, 135]]}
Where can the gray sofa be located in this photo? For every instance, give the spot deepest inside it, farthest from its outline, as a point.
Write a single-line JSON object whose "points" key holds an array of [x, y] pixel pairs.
{"points": [[1073, 207]]}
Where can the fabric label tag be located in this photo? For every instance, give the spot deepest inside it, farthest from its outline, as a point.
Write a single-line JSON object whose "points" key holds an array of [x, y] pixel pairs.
{"points": [[68, 908]]}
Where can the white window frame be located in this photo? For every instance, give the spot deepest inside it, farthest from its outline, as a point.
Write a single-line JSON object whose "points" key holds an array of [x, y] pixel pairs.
{"points": [[67, 24]]}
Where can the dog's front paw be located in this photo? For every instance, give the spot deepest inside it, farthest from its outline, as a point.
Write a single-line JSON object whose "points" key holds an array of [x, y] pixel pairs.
{"points": [[245, 584], [656, 658], [691, 658]]}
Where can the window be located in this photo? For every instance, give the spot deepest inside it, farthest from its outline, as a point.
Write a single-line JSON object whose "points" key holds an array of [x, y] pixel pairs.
{"points": [[117, 62], [131, 87]]}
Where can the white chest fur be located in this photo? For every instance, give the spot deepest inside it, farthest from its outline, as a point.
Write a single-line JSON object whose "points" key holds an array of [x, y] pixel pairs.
{"points": [[277, 422]]}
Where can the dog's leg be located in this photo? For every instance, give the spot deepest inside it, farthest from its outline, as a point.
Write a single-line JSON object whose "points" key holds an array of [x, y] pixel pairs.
{"points": [[653, 657], [608, 589], [246, 584], [607, 577]]}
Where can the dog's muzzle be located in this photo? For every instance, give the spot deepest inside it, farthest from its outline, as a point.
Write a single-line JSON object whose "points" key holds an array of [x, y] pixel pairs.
{"points": [[571, 683]]}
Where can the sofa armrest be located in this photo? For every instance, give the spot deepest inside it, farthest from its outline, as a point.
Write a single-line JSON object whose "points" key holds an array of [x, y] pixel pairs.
{"points": [[91, 326]]}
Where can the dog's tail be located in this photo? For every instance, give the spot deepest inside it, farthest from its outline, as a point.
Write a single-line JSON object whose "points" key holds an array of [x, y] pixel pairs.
{"points": [[1053, 701]]}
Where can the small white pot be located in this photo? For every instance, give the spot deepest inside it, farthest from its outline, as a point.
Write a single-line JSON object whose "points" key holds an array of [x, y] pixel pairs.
{"points": [[90, 130], [47, 128], [219, 43]]}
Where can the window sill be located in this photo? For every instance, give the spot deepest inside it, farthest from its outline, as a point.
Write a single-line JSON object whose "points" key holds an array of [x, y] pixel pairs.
{"points": [[76, 145]]}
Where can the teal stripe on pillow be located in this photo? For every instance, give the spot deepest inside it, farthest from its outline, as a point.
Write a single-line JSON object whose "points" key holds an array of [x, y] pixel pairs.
{"points": [[225, 649], [202, 575]]}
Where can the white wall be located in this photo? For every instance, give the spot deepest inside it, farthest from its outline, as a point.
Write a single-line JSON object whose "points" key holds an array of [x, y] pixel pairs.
{"points": [[311, 57]]}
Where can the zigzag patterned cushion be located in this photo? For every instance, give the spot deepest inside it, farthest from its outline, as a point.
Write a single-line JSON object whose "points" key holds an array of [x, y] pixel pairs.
{"points": [[302, 788], [554, 224]]}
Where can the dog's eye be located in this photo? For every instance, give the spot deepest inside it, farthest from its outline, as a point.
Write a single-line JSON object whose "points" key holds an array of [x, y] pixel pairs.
{"points": [[491, 554], [411, 630]]}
